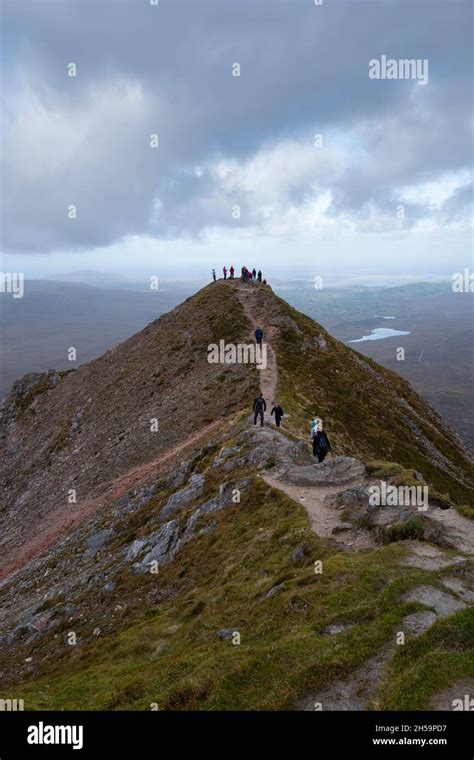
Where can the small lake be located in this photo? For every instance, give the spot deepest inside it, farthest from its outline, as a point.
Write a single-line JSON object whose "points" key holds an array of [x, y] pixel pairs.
{"points": [[379, 334]]}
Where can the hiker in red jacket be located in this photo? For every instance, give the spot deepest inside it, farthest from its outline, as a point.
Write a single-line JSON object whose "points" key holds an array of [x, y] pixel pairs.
{"points": [[225, 272], [232, 270]]}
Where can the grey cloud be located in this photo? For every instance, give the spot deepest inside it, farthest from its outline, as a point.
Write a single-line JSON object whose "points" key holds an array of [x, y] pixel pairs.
{"points": [[304, 69]]}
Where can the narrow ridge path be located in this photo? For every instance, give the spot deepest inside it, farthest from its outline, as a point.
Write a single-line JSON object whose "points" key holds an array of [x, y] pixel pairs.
{"points": [[257, 316]]}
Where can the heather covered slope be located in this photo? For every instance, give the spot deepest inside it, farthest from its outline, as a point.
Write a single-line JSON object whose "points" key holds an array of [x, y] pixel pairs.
{"points": [[80, 430]]}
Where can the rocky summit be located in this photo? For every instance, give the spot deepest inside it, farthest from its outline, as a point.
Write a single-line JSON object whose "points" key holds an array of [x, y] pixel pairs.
{"points": [[159, 549]]}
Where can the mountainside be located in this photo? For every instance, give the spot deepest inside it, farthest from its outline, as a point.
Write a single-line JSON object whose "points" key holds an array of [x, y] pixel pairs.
{"points": [[155, 547]]}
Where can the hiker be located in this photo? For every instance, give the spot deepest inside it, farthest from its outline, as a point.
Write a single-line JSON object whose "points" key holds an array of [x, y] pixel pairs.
{"points": [[214, 275], [244, 274], [321, 444], [254, 273], [259, 336], [259, 276], [259, 407], [278, 411], [264, 282], [232, 270], [224, 270]]}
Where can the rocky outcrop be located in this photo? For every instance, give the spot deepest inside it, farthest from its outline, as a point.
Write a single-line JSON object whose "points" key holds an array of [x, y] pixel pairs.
{"points": [[335, 471]]}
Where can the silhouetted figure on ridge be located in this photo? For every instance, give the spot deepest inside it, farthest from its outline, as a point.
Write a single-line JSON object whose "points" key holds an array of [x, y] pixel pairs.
{"points": [[214, 275], [259, 336], [259, 407], [278, 412]]}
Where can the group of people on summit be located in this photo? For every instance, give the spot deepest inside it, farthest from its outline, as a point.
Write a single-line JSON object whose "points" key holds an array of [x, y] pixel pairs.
{"points": [[246, 275]]}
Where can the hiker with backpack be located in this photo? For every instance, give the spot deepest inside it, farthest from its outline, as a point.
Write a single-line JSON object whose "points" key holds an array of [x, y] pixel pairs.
{"points": [[278, 411], [259, 407], [321, 445], [224, 271], [214, 275], [259, 336]]}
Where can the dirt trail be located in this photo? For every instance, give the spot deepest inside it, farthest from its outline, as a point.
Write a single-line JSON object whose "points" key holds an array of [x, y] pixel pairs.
{"points": [[64, 519], [258, 317], [323, 518]]}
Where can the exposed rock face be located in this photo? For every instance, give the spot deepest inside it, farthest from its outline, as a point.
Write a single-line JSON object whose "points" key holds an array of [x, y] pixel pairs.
{"points": [[419, 622], [161, 546], [184, 497], [443, 603]]}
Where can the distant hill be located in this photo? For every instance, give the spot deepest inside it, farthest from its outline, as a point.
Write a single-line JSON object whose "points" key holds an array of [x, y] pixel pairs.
{"points": [[37, 330]]}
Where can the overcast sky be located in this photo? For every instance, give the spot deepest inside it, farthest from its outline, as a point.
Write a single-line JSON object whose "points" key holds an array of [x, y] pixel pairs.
{"points": [[386, 187]]}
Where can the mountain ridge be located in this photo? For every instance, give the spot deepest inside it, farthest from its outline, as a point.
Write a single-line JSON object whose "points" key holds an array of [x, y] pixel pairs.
{"points": [[218, 528], [88, 413]]}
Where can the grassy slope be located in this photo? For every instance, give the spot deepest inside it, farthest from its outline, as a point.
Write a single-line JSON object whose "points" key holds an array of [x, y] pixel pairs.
{"points": [[170, 654], [366, 411]]}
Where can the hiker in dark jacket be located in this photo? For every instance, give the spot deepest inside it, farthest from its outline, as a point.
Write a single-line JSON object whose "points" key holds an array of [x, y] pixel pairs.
{"points": [[278, 412], [224, 272], [259, 336], [214, 275], [254, 273], [321, 445], [259, 276], [259, 407]]}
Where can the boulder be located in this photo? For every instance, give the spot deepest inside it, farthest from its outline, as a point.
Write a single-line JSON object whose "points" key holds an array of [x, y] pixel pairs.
{"points": [[275, 590], [352, 498], [227, 633]]}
